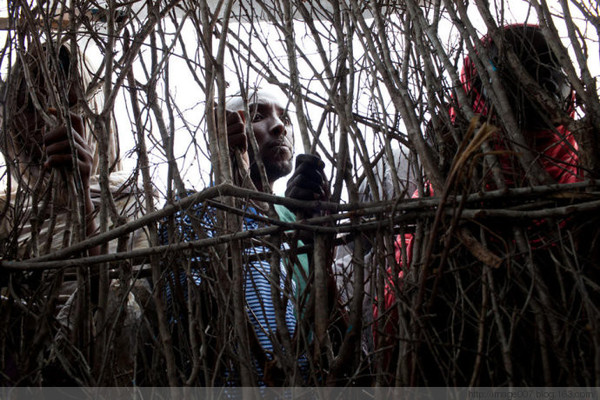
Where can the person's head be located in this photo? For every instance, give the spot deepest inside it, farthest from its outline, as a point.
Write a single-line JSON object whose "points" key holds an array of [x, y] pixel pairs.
{"points": [[272, 128], [44, 77], [540, 62]]}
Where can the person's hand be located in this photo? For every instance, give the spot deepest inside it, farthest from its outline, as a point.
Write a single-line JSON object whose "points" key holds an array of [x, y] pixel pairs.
{"points": [[58, 148], [236, 131], [237, 140], [308, 181]]}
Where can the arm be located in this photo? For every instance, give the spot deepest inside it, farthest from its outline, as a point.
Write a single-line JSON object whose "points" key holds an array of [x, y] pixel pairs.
{"points": [[237, 140], [308, 183], [59, 156]]}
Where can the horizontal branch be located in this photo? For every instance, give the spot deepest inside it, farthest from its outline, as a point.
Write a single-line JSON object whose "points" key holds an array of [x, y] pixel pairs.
{"points": [[363, 209], [314, 224], [552, 212]]}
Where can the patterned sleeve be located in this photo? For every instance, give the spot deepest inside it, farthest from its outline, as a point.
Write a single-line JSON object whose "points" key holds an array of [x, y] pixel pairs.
{"points": [[187, 225]]}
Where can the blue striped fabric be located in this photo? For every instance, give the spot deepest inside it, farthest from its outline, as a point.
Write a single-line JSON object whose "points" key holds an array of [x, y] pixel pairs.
{"points": [[257, 287]]}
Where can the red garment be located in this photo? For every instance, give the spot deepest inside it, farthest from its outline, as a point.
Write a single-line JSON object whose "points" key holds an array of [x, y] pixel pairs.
{"points": [[557, 151], [556, 147], [389, 290]]}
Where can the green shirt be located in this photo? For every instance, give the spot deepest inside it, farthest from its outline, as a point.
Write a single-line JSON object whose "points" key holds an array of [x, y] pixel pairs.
{"points": [[300, 268]]}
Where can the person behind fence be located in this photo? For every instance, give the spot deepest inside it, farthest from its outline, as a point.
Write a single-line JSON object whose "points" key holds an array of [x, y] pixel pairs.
{"points": [[394, 179], [546, 135], [36, 144], [52, 152], [205, 285]]}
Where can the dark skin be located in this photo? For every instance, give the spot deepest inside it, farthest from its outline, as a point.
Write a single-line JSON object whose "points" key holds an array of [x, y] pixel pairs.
{"points": [[273, 133], [52, 146]]}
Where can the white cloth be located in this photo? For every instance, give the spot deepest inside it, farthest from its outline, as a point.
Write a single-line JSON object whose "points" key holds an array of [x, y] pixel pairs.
{"points": [[57, 232], [270, 94]]}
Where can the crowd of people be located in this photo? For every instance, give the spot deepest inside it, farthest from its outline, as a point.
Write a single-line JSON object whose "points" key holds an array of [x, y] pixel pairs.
{"points": [[50, 143]]}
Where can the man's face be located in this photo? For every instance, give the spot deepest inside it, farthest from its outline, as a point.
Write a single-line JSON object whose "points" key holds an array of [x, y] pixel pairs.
{"points": [[273, 131]]}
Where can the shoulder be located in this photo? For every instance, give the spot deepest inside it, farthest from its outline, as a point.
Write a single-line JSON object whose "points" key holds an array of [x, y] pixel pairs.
{"points": [[185, 220]]}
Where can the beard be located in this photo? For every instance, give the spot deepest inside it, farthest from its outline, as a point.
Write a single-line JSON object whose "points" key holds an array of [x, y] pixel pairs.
{"points": [[274, 170]]}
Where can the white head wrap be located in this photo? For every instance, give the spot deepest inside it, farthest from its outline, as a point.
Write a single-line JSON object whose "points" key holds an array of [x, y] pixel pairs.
{"points": [[270, 94]]}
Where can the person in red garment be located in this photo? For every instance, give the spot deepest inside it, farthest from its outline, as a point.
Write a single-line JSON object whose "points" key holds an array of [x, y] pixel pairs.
{"points": [[552, 143]]}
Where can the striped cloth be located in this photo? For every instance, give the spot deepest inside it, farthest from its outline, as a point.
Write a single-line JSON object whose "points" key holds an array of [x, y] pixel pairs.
{"points": [[257, 285]]}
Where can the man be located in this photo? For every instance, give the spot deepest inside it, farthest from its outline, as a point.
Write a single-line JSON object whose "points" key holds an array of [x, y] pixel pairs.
{"points": [[29, 139], [54, 158], [205, 285], [37, 146]]}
